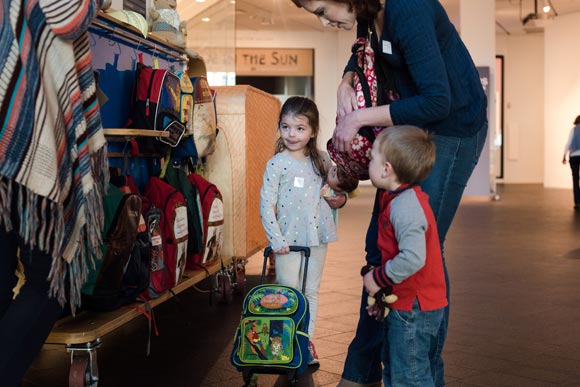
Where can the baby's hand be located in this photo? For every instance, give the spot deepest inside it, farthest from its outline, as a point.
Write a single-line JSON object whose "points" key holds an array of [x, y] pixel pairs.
{"points": [[335, 201]]}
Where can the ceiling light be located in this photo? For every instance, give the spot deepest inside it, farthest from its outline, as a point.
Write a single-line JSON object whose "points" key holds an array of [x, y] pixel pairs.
{"points": [[200, 1], [205, 19], [546, 9]]}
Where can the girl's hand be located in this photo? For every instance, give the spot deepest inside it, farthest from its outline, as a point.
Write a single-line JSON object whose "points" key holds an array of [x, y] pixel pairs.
{"points": [[370, 285], [336, 201], [284, 250], [345, 130], [345, 96]]}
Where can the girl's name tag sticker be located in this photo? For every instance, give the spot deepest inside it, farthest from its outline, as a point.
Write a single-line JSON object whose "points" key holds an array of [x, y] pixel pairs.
{"points": [[298, 182]]}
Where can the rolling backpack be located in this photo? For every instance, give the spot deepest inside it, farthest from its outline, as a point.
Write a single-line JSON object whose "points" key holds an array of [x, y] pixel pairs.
{"points": [[272, 336]]}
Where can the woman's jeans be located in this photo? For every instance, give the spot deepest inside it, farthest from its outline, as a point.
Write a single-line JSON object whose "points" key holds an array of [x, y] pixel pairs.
{"points": [[26, 321], [455, 160]]}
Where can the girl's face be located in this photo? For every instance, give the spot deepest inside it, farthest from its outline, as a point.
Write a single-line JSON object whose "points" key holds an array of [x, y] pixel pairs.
{"points": [[296, 132], [331, 13]]}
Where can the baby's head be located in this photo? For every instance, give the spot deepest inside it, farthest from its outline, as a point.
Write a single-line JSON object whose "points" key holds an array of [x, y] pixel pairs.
{"points": [[340, 181]]}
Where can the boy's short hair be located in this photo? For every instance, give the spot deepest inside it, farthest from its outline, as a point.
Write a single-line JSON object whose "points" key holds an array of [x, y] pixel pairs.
{"points": [[409, 149], [346, 183]]}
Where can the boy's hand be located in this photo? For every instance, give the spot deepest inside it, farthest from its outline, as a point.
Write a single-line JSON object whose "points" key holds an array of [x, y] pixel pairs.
{"points": [[370, 285], [379, 298]]}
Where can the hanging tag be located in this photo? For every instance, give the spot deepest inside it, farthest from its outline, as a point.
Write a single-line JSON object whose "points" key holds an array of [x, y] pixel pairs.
{"points": [[155, 63]]}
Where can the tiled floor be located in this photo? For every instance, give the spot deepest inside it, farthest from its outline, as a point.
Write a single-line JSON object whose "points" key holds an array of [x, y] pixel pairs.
{"points": [[515, 316]]}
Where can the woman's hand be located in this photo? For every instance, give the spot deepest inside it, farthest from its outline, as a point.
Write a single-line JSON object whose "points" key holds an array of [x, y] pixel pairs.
{"points": [[345, 96], [345, 130], [336, 201]]}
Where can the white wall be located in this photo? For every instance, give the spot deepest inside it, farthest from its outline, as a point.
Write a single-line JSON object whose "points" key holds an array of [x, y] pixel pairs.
{"points": [[523, 107], [478, 34], [331, 51], [562, 94]]}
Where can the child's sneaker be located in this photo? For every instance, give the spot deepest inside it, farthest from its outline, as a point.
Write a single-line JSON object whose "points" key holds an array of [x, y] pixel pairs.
{"points": [[313, 361]]}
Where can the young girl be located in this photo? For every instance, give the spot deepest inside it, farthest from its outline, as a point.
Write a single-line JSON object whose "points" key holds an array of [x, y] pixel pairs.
{"points": [[291, 207]]}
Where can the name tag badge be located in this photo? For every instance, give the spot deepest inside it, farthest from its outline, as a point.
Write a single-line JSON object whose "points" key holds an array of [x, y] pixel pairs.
{"points": [[387, 49], [298, 182]]}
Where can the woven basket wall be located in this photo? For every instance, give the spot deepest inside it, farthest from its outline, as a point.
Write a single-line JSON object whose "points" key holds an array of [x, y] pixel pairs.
{"points": [[247, 121]]}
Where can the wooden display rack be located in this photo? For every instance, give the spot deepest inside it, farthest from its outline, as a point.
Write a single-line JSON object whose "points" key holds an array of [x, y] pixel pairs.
{"points": [[83, 333]]}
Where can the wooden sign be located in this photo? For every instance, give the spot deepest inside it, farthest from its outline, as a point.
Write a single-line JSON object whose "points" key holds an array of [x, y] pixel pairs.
{"points": [[275, 62]]}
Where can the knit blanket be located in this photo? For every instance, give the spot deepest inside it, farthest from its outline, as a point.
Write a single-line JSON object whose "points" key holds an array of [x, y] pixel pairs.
{"points": [[52, 153]]}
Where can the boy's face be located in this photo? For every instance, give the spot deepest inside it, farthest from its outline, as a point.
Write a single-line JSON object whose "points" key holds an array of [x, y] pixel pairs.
{"points": [[332, 179], [377, 168]]}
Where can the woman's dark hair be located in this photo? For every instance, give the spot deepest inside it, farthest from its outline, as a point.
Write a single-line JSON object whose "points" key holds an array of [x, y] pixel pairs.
{"points": [[364, 9], [577, 121], [302, 106]]}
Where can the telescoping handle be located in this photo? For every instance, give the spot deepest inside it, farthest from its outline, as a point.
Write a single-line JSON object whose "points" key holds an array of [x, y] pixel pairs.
{"points": [[304, 249]]}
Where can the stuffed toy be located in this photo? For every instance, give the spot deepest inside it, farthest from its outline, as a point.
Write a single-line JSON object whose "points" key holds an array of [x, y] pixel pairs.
{"points": [[378, 303], [165, 22]]}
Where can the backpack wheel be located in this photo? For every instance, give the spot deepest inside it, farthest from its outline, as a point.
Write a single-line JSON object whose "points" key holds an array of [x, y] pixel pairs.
{"points": [[292, 378], [248, 379]]}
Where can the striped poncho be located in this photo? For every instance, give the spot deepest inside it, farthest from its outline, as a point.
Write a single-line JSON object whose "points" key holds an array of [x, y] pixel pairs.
{"points": [[52, 153]]}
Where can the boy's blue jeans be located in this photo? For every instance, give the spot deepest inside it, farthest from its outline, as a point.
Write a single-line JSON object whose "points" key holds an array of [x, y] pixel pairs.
{"points": [[455, 160], [410, 343]]}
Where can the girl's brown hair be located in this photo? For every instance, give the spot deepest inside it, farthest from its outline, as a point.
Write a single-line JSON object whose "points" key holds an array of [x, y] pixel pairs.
{"points": [[577, 120], [409, 149], [302, 106], [363, 9]]}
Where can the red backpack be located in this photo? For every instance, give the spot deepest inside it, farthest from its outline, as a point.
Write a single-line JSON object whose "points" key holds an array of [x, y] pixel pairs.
{"points": [[156, 103], [212, 210], [173, 225]]}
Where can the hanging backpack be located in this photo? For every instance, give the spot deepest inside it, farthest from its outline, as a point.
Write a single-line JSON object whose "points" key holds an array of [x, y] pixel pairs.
{"points": [[212, 211], [177, 178], [106, 288], [174, 227], [159, 274], [156, 103], [186, 102], [204, 117]]}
